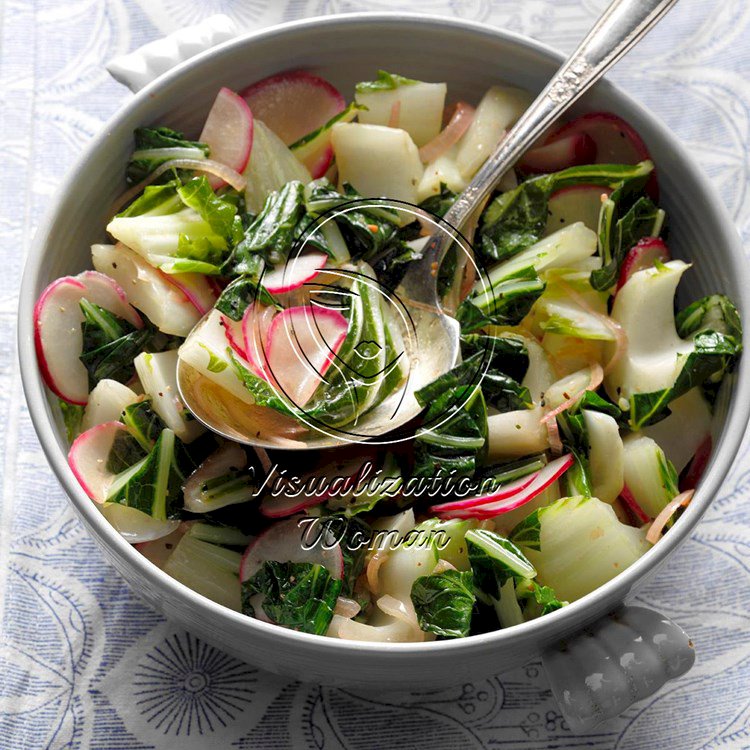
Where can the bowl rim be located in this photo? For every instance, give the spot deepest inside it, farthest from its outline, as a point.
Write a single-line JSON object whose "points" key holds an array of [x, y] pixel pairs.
{"points": [[569, 618]]}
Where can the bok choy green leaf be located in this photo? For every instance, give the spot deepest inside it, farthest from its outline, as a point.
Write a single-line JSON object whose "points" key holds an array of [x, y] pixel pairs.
{"points": [[444, 603], [300, 596]]}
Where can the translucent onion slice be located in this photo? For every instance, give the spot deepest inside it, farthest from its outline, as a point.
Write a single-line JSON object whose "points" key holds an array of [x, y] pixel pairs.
{"points": [[597, 376], [657, 527], [449, 135]]}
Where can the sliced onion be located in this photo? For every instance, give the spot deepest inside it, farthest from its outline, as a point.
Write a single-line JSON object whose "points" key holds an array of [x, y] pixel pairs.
{"points": [[632, 505], [597, 376], [373, 568], [235, 179], [657, 527], [449, 135], [346, 607]]}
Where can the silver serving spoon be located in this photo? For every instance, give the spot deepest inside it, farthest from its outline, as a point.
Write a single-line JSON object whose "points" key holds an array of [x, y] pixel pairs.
{"points": [[432, 343]]}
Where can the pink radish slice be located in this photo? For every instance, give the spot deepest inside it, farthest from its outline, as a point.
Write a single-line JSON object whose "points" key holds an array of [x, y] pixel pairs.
{"points": [[294, 273], [459, 123], [282, 507], [233, 333], [632, 504], [288, 541], [643, 255], [616, 141], [197, 289], [255, 324], [569, 151], [697, 465], [88, 458], [228, 132], [471, 502], [302, 343], [491, 507], [100, 287], [294, 103], [57, 329]]}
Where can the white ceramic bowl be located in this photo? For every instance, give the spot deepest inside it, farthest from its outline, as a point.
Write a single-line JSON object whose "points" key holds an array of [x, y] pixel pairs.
{"points": [[469, 57]]}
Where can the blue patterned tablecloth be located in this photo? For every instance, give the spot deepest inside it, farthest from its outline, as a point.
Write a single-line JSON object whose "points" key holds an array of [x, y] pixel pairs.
{"points": [[84, 664]]}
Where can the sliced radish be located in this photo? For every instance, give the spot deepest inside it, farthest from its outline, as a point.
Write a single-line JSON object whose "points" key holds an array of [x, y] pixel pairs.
{"points": [[57, 329], [228, 132], [174, 304], [296, 272], [201, 291], [616, 141], [569, 151], [293, 103], [505, 491], [159, 550], [657, 527], [302, 343], [255, 324], [491, 507], [233, 332], [697, 465], [632, 505], [88, 458], [573, 204], [643, 255], [291, 541], [134, 525]]}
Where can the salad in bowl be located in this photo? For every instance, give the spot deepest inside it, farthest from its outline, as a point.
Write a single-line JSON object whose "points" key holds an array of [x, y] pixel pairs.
{"points": [[265, 256]]}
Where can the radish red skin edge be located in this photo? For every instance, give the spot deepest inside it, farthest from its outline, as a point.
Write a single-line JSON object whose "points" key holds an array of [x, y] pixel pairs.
{"points": [[490, 507], [632, 505], [697, 466], [283, 542], [228, 132], [569, 151], [605, 128], [642, 255], [323, 101]]}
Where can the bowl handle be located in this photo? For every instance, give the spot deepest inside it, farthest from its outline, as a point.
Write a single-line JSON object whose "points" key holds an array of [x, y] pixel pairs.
{"points": [[622, 658], [138, 68]]}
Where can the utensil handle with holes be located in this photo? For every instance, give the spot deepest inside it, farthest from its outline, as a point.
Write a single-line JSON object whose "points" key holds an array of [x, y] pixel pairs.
{"points": [[620, 27]]}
